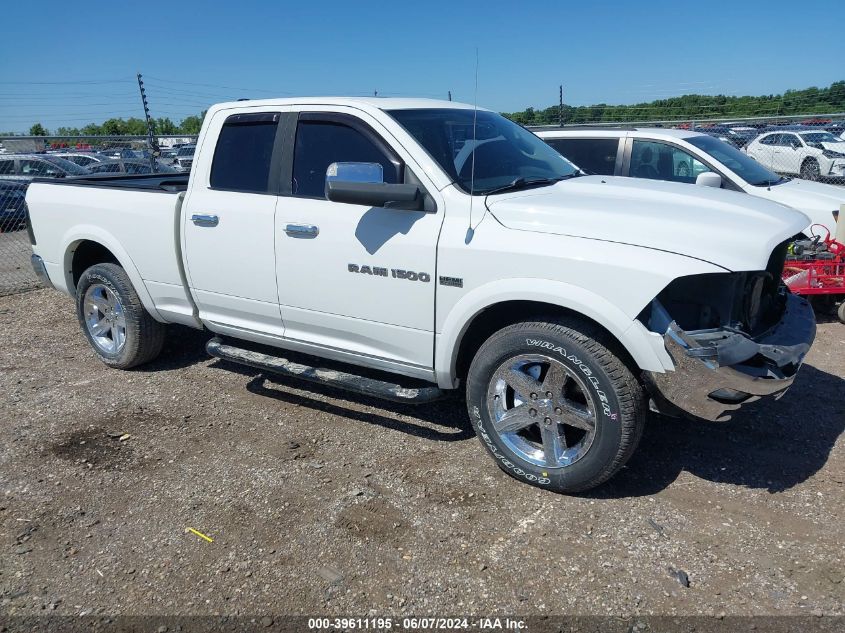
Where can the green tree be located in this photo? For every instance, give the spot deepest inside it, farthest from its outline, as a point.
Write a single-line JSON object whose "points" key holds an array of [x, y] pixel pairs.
{"points": [[165, 126], [191, 125], [38, 130], [687, 107]]}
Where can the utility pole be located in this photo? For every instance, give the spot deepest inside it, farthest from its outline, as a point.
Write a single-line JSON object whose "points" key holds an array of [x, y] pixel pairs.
{"points": [[155, 152], [560, 108], [450, 95]]}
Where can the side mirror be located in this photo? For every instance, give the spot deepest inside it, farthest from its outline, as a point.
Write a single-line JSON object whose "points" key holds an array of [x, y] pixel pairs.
{"points": [[709, 179], [363, 184], [376, 194]]}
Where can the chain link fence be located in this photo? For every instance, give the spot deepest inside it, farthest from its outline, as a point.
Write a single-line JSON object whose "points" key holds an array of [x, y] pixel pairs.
{"points": [[16, 274]]}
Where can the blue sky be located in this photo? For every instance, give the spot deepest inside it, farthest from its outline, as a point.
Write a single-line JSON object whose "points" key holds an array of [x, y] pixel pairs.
{"points": [[196, 53]]}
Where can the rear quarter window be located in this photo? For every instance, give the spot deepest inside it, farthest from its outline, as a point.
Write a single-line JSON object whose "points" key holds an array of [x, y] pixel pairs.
{"points": [[593, 155]]}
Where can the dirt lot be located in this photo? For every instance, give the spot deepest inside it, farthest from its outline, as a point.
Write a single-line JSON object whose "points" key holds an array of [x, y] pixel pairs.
{"points": [[321, 503]]}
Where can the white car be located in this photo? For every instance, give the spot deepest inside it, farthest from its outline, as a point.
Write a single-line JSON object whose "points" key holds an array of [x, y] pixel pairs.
{"points": [[692, 157], [355, 230], [812, 154]]}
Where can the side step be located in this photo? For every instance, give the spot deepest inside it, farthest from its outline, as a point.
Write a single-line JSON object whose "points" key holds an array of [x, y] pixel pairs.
{"points": [[331, 377]]}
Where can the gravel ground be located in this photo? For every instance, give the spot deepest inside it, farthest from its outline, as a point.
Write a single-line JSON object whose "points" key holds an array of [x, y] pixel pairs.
{"points": [[323, 503]]}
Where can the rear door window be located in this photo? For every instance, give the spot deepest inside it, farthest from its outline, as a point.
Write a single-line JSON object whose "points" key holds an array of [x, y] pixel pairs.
{"points": [[661, 161], [39, 168], [593, 155], [243, 153], [7, 167]]}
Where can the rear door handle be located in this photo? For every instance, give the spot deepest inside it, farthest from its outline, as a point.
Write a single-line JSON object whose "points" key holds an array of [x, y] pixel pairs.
{"points": [[304, 230], [202, 219]]}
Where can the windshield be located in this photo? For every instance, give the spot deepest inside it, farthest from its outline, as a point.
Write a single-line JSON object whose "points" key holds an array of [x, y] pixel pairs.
{"points": [[741, 164], [820, 137], [186, 151], [66, 165], [504, 152]]}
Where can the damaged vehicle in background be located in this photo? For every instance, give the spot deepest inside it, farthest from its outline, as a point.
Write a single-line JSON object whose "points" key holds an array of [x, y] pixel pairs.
{"points": [[364, 233], [811, 154]]}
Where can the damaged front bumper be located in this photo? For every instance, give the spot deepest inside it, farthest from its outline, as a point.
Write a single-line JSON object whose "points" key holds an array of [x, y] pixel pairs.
{"points": [[717, 371]]}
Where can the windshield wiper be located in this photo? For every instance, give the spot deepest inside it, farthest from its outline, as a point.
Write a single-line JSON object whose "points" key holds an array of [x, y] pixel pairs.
{"points": [[769, 183], [521, 183]]}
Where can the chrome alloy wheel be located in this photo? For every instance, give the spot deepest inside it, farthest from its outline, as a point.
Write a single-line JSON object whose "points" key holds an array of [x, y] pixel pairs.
{"points": [[542, 410], [104, 318]]}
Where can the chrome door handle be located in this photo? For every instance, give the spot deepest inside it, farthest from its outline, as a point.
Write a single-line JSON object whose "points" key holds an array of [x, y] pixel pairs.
{"points": [[305, 230], [202, 219]]}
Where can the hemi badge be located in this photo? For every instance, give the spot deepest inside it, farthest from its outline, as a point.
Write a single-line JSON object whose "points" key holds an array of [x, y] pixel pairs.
{"points": [[455, 282]]}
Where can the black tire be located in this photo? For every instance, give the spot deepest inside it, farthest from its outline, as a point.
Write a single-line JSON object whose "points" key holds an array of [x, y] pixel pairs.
{"points": [[144, 336], [619, 414], [841, 311], [810, 170]]}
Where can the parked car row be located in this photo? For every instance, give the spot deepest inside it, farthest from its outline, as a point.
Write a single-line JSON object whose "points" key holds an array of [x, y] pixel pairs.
{"points": [[178, 157], [29, 166], [691, 157]]}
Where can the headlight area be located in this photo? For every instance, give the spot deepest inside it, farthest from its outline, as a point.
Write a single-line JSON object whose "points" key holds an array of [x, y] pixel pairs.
{"points": [[733, 338]]}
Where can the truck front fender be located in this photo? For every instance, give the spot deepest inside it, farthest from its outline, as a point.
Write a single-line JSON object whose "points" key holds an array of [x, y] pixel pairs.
{"points": [[647, 353], [80, 233]]}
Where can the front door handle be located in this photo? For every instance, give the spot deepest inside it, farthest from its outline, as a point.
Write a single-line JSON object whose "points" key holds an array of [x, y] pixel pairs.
{"points": [[203, 219], [302, 230]]}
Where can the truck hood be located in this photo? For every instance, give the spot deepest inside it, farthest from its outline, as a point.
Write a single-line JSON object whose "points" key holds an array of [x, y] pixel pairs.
{"points": [[729, 229], [815, 199]]}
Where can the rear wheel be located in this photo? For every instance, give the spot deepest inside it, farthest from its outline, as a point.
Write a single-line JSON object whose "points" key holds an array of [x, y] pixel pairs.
{"points": [[841, 311], [553, 406], [810, 170], [116, 324]]}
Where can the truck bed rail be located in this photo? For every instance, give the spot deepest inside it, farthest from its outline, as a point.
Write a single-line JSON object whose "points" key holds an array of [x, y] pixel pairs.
{"points": [[146, 182]]}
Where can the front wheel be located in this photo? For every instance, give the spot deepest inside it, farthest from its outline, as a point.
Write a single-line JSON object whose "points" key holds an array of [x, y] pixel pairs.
{"points": [[810, 170], [115, 322], [553, 406]]}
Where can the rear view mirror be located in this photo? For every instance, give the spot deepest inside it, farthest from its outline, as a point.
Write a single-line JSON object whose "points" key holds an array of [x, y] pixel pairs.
{"points": [[709, 179]]}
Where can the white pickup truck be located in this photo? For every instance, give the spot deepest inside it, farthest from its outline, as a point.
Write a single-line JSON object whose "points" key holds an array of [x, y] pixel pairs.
{"points": [[438, 246]]}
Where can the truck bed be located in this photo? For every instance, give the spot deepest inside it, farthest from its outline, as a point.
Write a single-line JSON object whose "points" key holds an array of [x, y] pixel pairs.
{"points": [[143, 182], [136, 218]]}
